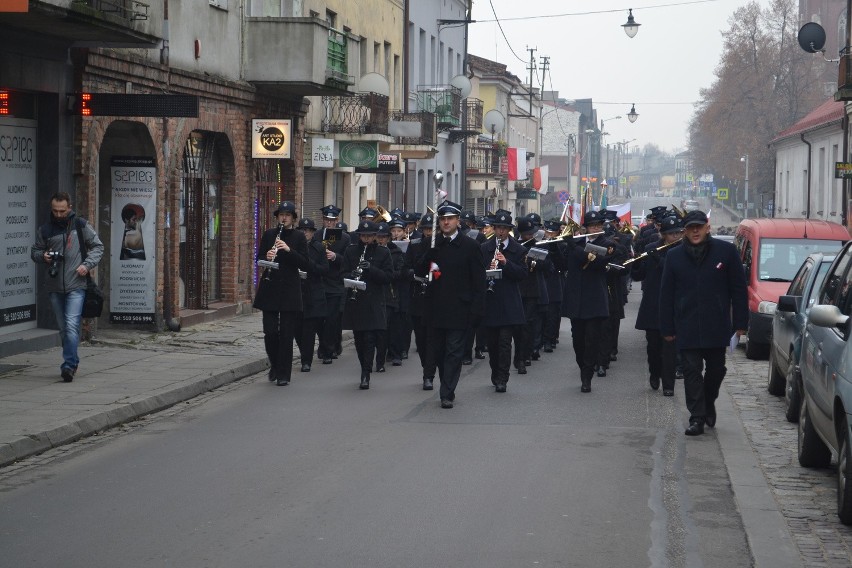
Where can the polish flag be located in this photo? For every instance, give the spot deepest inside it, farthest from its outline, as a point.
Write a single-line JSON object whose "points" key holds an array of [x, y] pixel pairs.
{"points": [[622, 210], [541, 178], [517, 158]]}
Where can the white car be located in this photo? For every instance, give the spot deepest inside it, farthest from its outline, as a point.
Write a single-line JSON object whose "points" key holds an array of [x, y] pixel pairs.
{"points": [[690, 205]]}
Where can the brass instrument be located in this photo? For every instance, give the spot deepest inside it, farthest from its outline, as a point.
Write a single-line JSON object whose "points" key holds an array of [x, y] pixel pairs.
{"points": [[566, 237], [354, 284], [679, 212], [386, 217], [645, 254]]}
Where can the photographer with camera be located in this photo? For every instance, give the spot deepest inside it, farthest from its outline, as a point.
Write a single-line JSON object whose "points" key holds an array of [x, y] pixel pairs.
{"points": [[58, 246]]}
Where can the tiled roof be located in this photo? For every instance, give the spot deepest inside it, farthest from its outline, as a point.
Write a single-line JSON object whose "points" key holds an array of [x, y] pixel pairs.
{"points": [[826, 113]]}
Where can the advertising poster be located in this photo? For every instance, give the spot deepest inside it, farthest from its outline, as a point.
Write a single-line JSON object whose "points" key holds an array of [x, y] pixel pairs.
{"points": [[133, 275], [18, 211]]}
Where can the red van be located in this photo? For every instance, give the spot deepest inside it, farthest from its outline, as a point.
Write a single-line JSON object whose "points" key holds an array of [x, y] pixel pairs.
{"points": [[772, 251]]}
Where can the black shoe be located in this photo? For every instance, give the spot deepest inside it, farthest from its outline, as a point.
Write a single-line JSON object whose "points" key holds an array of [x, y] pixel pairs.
{"points": [[528, 362], [547, 349], [467, 361], [67, 374], [271, 375], [282, 382], [477, 354], [306, 367], [678, 373], [446, 403], [655, 382], [586, 385], [535, 356], [326, 361], [380, 368], [613, 357], [365, 381], [671, 393], [500, 388], [695, 428], [710, 419], [601, 371], [404, 354], [522, 370], [427, 384], [396, 362]]}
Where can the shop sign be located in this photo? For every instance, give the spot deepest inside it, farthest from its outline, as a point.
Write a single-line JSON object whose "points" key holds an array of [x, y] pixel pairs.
{"points": [[322, 153], [359, 155], [843, 170], [526, 194], [270, 138], [133, 274]]}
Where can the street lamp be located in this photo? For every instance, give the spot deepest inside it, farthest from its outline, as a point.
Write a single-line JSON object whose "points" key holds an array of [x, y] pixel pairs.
{"points": [[745, 207], [631, 28], [632, 115]]}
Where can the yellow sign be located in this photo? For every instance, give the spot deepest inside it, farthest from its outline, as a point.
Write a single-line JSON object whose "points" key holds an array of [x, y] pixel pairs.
{"points": [[722, 194], [270, 138]]}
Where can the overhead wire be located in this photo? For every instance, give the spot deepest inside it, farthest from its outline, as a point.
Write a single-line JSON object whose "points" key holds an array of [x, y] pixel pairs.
{"points": [[592, 12], [499, 25]]}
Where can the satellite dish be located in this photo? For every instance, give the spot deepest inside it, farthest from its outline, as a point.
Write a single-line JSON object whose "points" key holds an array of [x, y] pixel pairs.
{"points": [[494, 121], [374, 83], [461, 83], [812, 37]]}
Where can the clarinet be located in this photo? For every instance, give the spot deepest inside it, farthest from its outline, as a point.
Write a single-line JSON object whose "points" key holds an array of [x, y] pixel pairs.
{"points": [[274, 249], [493, 265], [356, 275]]}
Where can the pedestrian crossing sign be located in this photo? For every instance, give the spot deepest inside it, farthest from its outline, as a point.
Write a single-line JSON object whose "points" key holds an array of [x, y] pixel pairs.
{"points": [[722, 193]]}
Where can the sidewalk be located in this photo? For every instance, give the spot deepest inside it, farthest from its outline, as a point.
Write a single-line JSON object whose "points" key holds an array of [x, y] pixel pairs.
{"points": [[123, 374]]}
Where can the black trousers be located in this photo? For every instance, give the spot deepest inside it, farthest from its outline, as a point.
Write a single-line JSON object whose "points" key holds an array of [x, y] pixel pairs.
{"points": [[701, 385], [586, 337], [449, 350], [425, 346], [306, 333], [469, 339], [398, 324], [279, 329], [550, 331], [365, 346], [332, 331], [669, 354], [499, 341], [524, 333], [609, 339], [662, 358]]}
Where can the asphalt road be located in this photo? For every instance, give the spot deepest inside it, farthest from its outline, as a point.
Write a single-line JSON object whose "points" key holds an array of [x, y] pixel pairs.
{"points": [[322, 474]]}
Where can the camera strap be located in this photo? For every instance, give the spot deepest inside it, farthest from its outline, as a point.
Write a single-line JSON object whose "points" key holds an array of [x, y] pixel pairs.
{"points": [[79, 224]]}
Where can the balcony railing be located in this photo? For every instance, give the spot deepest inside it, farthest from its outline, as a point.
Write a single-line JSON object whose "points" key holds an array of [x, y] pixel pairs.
{"points": [[483, 159], [444, 101], [414, 128], [364, 113], [124, 9], [472, 115]]}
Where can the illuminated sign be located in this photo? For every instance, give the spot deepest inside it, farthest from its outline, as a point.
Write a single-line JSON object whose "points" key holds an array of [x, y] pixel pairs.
{"points": [[270, 138], [4, 102], [110, 104]]}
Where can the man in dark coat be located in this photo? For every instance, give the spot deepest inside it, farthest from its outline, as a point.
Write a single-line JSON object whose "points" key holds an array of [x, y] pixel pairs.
{"points": [[399, 326], [419, 315], [365, 311], [553, 280], [455, 297], [585, 301], [386, 336], [313, 295], [662, 355], [279, 290], [504, 307], [330, 336], [615, 290], [703, 301]]}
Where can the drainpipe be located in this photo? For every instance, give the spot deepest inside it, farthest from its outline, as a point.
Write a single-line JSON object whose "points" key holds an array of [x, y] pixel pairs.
{"points": [[172, 322], [808, 207], [406, 42]]}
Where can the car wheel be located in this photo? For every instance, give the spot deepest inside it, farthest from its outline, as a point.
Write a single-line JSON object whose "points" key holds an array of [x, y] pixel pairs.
{"points": [[756, 351], [792, 394], [812, 450], [844, 477], [776, 379]]}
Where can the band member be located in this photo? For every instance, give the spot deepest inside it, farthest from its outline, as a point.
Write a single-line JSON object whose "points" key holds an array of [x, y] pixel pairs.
{"points": [[454, 297], [585, 301], [313, 295], [335, 240], [702, 268], [365, 312], [383, 337], [531, 293], [662, 355], [615, 291], [399, 326], [486, 232], [467, 222], [553, 280], [504, 307], [411, 221], [279, 290], [419, 315]]}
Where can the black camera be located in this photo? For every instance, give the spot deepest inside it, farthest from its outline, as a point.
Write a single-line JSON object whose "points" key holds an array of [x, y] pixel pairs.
{"points": [[55, 259]]}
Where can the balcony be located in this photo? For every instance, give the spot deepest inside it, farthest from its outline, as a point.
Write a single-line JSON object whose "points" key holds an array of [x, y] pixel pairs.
{"points": [[471, 120], [483, 159], [298, 56], [413, 128], [92, 23], [444, 101], [361, 114]]}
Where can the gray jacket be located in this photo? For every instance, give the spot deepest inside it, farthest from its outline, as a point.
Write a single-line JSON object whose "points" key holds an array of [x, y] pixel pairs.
{"points": [[54, 237]]}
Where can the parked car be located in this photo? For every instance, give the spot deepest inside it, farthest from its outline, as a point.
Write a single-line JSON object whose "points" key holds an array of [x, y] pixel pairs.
{"points": [[772, 250], [825, 363], [690, 205], [659, 193], [788, 325]]}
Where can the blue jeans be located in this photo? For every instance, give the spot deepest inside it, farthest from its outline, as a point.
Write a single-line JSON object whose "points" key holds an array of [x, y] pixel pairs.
{"points": [[68, 308]]}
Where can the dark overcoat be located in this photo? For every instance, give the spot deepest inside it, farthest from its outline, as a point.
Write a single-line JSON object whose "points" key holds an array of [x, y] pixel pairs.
{"points": [[313, 292], [585, 292], [649, 271], [392, 297], [555, 278], [333, 281], [703, 302], [280, 290], [368, 311], [456, 299], [416, 290], [504, 306]]}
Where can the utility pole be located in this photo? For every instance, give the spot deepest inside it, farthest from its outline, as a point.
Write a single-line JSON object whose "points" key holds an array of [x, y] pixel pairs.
{"points": [[531, 69]]}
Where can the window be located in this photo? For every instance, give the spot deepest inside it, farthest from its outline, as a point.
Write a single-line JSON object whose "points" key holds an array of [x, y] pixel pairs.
{"points": [[781, 258], [331, 19], [834, 280], [820, 277], [798, 285], [377, 57]]}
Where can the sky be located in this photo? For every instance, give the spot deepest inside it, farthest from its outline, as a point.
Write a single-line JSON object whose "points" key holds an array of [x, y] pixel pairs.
{"points": [[661, 70]]}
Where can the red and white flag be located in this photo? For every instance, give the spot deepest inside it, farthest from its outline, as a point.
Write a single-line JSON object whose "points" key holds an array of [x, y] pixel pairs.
{"points": [[623, 211], [541, 179], [517, 158]]}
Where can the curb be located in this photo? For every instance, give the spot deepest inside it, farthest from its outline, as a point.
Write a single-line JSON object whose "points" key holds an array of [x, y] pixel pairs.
{"points": [[36, 443]]}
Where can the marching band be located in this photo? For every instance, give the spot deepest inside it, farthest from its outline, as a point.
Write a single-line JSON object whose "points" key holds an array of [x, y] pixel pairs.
{"points": [[483, 286]]}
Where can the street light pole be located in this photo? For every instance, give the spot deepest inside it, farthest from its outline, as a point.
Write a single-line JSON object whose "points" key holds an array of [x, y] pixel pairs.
{"points": [[745, 206]]}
